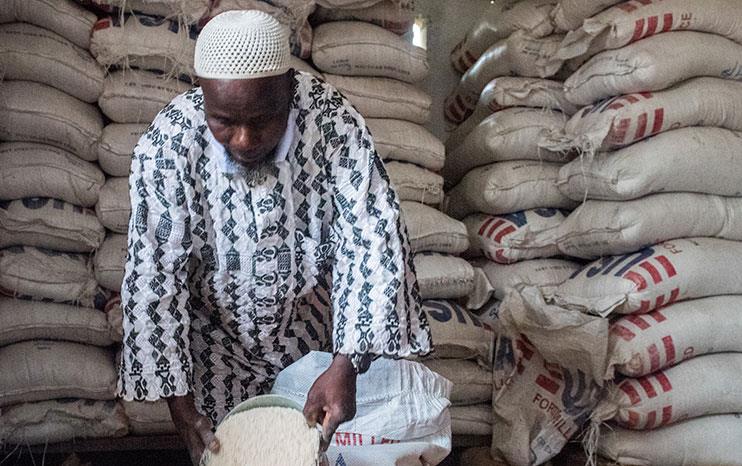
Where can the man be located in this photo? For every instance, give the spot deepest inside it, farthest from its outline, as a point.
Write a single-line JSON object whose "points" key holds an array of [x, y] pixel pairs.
{"points": [[263, 226]]}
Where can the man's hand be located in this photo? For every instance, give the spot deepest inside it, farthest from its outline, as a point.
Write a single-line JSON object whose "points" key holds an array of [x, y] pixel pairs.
{"points": [[332, 398], [193, 427]]}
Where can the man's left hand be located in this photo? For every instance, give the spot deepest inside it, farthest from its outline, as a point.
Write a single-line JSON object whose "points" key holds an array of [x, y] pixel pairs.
{"points": [[332, 398]]}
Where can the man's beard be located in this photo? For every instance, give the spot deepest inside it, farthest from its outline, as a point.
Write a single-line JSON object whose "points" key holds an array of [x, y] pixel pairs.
{"points": [[257, 173]]}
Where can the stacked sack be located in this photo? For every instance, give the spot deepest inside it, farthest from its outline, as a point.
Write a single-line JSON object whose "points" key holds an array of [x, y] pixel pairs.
{"points": [[659, 176], [57, 366]]}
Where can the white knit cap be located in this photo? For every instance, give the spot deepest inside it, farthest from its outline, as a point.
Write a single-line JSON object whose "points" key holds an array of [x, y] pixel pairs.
{"points": [[242, 45]]}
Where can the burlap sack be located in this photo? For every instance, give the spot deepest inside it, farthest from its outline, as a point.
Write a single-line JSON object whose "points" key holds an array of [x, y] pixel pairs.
{"points": [[569, 14], [431, 230], [115, 316], [668, 162], [603, 228], [354, 48], [511, 134], [655, 277], [135, 96], [457, 333], [43, 370], [349, 4], [55, 421], [109, 262], [42, 274], [513, 237], [530, 16], [30, 53], [624, 24], [443, 277], [640, 345], [114, 207], [413, 183], [384, 97], [407, 142], [116, 146], [33, 112], [149, 418], [30, 170], [652, 65], [471, 420], [397, 17], [518, 55], [65, 17], [22, 320], [472, 384], [49, 223], [506, 187]]}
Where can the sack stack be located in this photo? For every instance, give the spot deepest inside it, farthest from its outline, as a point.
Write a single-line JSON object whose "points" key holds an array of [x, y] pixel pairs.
{"points": [[57, 366]]}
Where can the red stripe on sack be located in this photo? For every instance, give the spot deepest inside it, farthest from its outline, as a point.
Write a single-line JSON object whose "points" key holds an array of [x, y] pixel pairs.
{"points": [[644, 307], [631, 392], [659, 119], [669, 349], [640, 282], [627, 7], [102, 24], [547, 384], [653, 272], [664, 381], [623, 332], [651, 420], [615, 106], [648, 387], [619, 134], [631, 98], [667, 265], [638, 30], [654, 357], [666, 415], [633, 422], [485, 224], [504, 232], [652, 27], [660, 302], [527, 352], [667, 24], [647, 95], [638, 321], [674, 296], [657, 316], [494, 227], [645, 2], [641, 126], [500, 257]]}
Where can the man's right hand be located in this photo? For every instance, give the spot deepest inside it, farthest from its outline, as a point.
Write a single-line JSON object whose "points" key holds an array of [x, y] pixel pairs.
{"points": [[193, 427]]}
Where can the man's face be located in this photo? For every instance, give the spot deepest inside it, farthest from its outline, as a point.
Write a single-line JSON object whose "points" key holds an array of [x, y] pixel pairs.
{"points": [[248, 116]]}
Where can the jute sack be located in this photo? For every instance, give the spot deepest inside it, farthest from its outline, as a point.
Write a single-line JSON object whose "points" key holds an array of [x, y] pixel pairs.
{"points": [[668, 162], [530, 16], [115, 316], [42, 370], [705, 440], [149, 418], [443, 277], [471, 420], [384, 97], [142, 41], [627, 23], [518, 55], [698, 387], [30, 53], [603, 228], [22, 320], [651, 65], [407, 142], [655, 277], [349, 4], [397, 17], [413, 183], [135, 96], [472, 384], [505, 187], [510, 134], [55, 421], [457, 333], [65, 17], [505, 92], [429, 229], [116, 146], [109, 262], [114, 207], [570, 14], [42, 274], [33, 112], [354, 48], [626, 119], [513, 237], [49, 223], [640, 345], [29, 170]]}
